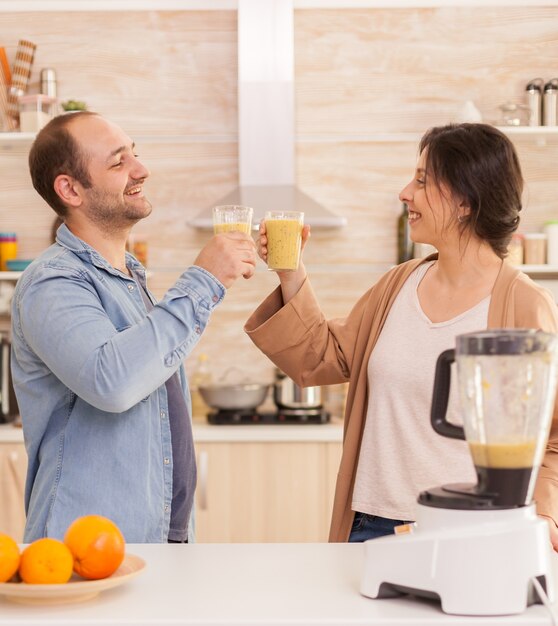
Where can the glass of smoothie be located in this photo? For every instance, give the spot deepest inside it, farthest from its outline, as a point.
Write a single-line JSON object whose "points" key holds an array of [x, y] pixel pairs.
{"points": [[232, 217], [284, 238]]}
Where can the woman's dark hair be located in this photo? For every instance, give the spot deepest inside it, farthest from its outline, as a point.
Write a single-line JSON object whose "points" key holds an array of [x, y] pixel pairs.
{"points": [[478, 165], [56, 152]]}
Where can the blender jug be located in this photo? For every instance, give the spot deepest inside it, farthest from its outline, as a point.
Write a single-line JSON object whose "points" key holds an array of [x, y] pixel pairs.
{"points": [[507, 387]]}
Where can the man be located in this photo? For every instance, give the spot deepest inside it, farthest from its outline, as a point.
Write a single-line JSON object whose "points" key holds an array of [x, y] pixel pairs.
{"points": [[97, 364]]}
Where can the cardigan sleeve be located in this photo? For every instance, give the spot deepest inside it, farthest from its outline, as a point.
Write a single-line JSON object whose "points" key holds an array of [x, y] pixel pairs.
{"points": [[301, 342]]}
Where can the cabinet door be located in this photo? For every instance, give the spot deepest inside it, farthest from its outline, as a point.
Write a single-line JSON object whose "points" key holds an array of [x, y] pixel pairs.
{"points": [[262, 492], [13, 468]]}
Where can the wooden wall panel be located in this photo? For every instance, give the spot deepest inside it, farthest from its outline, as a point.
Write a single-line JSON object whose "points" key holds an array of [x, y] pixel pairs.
{"points": [[169, 79]]}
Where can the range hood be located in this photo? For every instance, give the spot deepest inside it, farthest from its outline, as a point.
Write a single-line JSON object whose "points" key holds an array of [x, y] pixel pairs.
{"points": [[266, 118]]}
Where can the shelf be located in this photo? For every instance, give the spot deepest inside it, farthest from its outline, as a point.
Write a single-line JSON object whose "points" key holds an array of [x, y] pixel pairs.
{"points": [[540, 134], [548, 271], [9, 141], [10, 275]]}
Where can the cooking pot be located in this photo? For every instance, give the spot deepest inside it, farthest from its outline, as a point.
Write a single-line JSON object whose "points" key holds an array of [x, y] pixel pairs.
{"points": [[238, 396], [288, 395]]}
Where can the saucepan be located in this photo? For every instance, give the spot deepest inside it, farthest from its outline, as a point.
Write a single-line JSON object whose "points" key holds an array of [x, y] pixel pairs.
{"points": [[241, 395]]}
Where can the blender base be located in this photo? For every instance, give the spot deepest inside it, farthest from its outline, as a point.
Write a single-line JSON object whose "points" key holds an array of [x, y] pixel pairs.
{"points": [[475, 562]]}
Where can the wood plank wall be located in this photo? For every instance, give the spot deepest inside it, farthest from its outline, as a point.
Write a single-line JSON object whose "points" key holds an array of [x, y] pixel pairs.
{"points": [[359, 73]]}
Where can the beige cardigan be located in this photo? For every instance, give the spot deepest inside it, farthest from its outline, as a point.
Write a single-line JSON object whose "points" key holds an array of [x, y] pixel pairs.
{"points": [[316, 351]]}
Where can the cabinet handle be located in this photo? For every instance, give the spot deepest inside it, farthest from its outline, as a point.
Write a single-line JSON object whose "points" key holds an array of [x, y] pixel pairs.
{"points": [[203, 463]]}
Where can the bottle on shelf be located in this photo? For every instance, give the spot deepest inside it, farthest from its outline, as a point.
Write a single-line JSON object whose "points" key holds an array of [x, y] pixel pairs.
{"points": [[534, 92], [201, 376], [405, 246], [550, 104]]}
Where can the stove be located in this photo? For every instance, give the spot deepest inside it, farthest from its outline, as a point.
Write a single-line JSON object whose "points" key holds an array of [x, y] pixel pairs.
{"points": [[281, 416]]}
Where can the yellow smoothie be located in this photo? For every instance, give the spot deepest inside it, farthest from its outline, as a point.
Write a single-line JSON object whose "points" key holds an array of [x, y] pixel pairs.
{"points": [[284, 238], [504, 455], [241, 227]]}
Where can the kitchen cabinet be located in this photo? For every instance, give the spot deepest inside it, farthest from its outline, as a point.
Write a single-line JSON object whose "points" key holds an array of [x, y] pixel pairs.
{"points": [[13, 468], [255, 483], [265, 492]]}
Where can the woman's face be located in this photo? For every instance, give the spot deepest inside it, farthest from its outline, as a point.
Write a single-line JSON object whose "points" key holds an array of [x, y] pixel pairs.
{"points": [[432, 210]]}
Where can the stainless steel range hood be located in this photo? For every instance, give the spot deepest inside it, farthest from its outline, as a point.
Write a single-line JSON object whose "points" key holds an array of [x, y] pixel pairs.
{"points": [[266, 118]]}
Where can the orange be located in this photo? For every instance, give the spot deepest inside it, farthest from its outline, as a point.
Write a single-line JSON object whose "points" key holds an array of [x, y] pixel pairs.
{"points": [[97, 545], [9, 557], [46, 562]]}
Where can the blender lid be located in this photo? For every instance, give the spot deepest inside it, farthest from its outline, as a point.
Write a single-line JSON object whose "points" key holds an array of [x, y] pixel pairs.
{"points": [[504, 341]]}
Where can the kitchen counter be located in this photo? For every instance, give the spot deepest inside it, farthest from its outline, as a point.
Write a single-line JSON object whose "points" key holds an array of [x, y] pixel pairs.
{"points": [[276, 433], [267, 584]]}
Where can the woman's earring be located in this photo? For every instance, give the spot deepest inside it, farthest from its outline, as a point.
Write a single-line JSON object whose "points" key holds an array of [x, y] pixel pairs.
{"points": [[460, 219]]}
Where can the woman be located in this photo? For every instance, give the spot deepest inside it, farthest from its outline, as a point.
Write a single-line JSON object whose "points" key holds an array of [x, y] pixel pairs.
{"points": [[464, 199]]}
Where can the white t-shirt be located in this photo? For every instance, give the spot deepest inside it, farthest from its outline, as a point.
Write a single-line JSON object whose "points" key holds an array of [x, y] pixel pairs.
{"points": [[400, 454]]}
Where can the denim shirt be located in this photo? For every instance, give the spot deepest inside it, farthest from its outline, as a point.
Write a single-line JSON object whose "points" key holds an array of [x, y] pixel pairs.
{"points": [[89, 366]]}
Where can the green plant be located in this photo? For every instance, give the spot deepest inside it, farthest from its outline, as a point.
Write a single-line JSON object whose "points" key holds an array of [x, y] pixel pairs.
{"points": [[74, 105]]}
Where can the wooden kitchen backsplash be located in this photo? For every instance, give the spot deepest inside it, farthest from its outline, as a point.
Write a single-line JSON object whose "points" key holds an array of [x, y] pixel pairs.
{"points": [[359, 73]]}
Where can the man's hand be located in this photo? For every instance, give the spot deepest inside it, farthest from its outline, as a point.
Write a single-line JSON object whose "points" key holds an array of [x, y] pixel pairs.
{"points": [[228, 256], [553, 531]]}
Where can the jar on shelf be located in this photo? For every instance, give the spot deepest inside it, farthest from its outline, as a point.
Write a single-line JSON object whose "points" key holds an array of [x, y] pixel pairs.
{"points": [[551, 231], [515, 250], [534, 252], [35, 111], [8, 249]]}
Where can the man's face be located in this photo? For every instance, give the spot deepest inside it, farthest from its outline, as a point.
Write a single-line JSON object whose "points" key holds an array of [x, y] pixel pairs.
{"points": [[115, 198]]}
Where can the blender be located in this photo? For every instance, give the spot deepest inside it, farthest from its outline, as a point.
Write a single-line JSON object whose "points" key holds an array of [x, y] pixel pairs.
{"points": [[477, 548]]}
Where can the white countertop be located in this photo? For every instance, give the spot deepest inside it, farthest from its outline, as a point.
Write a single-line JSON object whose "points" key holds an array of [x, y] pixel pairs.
{"points": [[249, 584], [276, 433]]}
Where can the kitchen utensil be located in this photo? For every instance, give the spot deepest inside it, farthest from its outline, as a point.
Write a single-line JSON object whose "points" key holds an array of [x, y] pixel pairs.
{"points": [[479, 547], [239, 396], [288, 395], [21, 73]]}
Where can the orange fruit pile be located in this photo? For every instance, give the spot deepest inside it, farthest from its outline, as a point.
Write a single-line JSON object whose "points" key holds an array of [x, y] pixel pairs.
{"points": [[93, 547]]}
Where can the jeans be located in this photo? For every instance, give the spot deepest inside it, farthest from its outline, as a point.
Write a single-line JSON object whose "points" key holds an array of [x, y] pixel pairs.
{"points": [[372, 526]]}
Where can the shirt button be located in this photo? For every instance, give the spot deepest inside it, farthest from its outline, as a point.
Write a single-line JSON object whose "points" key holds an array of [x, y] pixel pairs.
{"points": [[166, 461], [215, 299], [166, 507], [163, 415], [130, 287], [198, 330]]}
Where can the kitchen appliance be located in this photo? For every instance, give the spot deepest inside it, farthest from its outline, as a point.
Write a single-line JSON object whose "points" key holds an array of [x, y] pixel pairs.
{"points": [[8, 403], [479, 548], [287, 395], [280, 416], [266, 128]]}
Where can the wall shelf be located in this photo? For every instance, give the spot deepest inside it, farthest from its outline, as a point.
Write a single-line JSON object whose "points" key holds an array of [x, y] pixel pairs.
{"points": [[10, 275], [542, 271], [541, 134]]}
